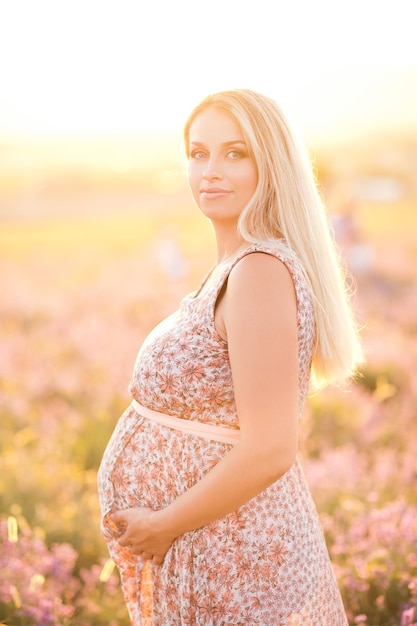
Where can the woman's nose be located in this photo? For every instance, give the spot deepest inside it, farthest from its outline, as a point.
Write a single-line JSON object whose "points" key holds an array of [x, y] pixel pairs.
{"points": [[211, 171]]}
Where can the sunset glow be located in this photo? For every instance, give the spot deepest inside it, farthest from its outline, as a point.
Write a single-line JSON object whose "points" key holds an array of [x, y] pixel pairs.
{"points": [[126, 68]]}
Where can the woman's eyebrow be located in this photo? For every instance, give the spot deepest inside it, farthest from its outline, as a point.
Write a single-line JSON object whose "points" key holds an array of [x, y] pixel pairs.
{"points": [[226, 143], [231, 143]]}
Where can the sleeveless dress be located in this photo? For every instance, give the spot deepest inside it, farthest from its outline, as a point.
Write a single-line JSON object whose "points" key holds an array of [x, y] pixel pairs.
{"points": [[266, 563]]}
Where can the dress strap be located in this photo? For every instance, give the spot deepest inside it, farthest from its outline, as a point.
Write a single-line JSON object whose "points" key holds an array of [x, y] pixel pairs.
{"points": [[214, 432]]}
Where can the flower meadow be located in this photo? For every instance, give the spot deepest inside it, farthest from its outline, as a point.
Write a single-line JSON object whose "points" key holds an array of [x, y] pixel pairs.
{"points": [[79, 294]]}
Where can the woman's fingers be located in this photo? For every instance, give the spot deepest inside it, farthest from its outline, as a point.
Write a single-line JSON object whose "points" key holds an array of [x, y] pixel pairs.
{"points": [[156, 559], [126, 539], [136, 534]]}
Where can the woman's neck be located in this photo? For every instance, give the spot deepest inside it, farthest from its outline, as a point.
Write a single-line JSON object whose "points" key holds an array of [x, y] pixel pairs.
{"points": [[229, 244]]}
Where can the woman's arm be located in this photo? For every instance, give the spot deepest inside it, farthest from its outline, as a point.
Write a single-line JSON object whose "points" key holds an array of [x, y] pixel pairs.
{"points": [[258, 314]]}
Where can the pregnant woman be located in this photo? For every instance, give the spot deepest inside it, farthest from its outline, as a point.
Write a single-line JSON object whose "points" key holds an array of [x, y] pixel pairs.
{"points": [[200, 486]]}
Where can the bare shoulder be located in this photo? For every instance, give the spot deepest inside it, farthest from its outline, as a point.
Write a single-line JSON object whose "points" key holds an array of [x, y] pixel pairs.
{"points": [[260, 273], [260, 295]]}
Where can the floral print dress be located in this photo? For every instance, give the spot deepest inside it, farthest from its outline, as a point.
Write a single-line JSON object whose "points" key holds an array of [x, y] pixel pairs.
{"points": [[266, 563]]}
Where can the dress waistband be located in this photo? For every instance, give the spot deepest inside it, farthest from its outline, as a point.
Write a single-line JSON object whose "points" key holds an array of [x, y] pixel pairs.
{"points": [[214, 432]]}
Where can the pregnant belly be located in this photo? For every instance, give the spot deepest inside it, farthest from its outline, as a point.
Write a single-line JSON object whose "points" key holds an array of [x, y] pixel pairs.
{"points": [[150, 465]]}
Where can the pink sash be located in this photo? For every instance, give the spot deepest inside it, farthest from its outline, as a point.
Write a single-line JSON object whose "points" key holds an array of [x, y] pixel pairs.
{"points": [[224, 434]]}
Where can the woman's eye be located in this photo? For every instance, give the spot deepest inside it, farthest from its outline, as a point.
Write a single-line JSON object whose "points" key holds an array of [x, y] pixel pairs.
{"points": [[235, 154], [198, 154]]}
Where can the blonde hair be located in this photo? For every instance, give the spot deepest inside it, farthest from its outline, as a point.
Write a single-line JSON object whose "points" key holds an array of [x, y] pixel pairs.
{"points": [[286, 204]]}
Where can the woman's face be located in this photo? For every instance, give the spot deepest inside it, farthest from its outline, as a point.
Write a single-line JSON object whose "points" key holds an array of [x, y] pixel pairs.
{"points": [[221, 173]]}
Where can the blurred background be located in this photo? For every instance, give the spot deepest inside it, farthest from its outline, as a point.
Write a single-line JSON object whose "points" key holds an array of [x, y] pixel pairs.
{"points": [[99, 240]]}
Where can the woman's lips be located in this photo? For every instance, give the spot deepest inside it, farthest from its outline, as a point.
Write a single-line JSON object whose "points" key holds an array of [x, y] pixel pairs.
{"points": [[213, 193]]}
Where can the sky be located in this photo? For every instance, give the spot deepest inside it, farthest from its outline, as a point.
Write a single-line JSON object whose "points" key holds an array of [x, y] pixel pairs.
{"points": [[124, 67]]}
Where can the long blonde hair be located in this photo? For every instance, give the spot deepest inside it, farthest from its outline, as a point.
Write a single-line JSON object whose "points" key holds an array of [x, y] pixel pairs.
{"points": [[286, 204]]}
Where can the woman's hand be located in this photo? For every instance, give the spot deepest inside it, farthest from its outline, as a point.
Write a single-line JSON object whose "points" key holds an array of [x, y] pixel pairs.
{"points": [[141, 534]]}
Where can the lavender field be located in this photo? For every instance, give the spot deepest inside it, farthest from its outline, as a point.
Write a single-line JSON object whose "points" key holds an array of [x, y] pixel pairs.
{"points": [[79, 292]]}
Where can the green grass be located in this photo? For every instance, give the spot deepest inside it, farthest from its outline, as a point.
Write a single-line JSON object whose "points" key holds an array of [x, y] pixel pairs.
{"points": [[109, 233]]}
